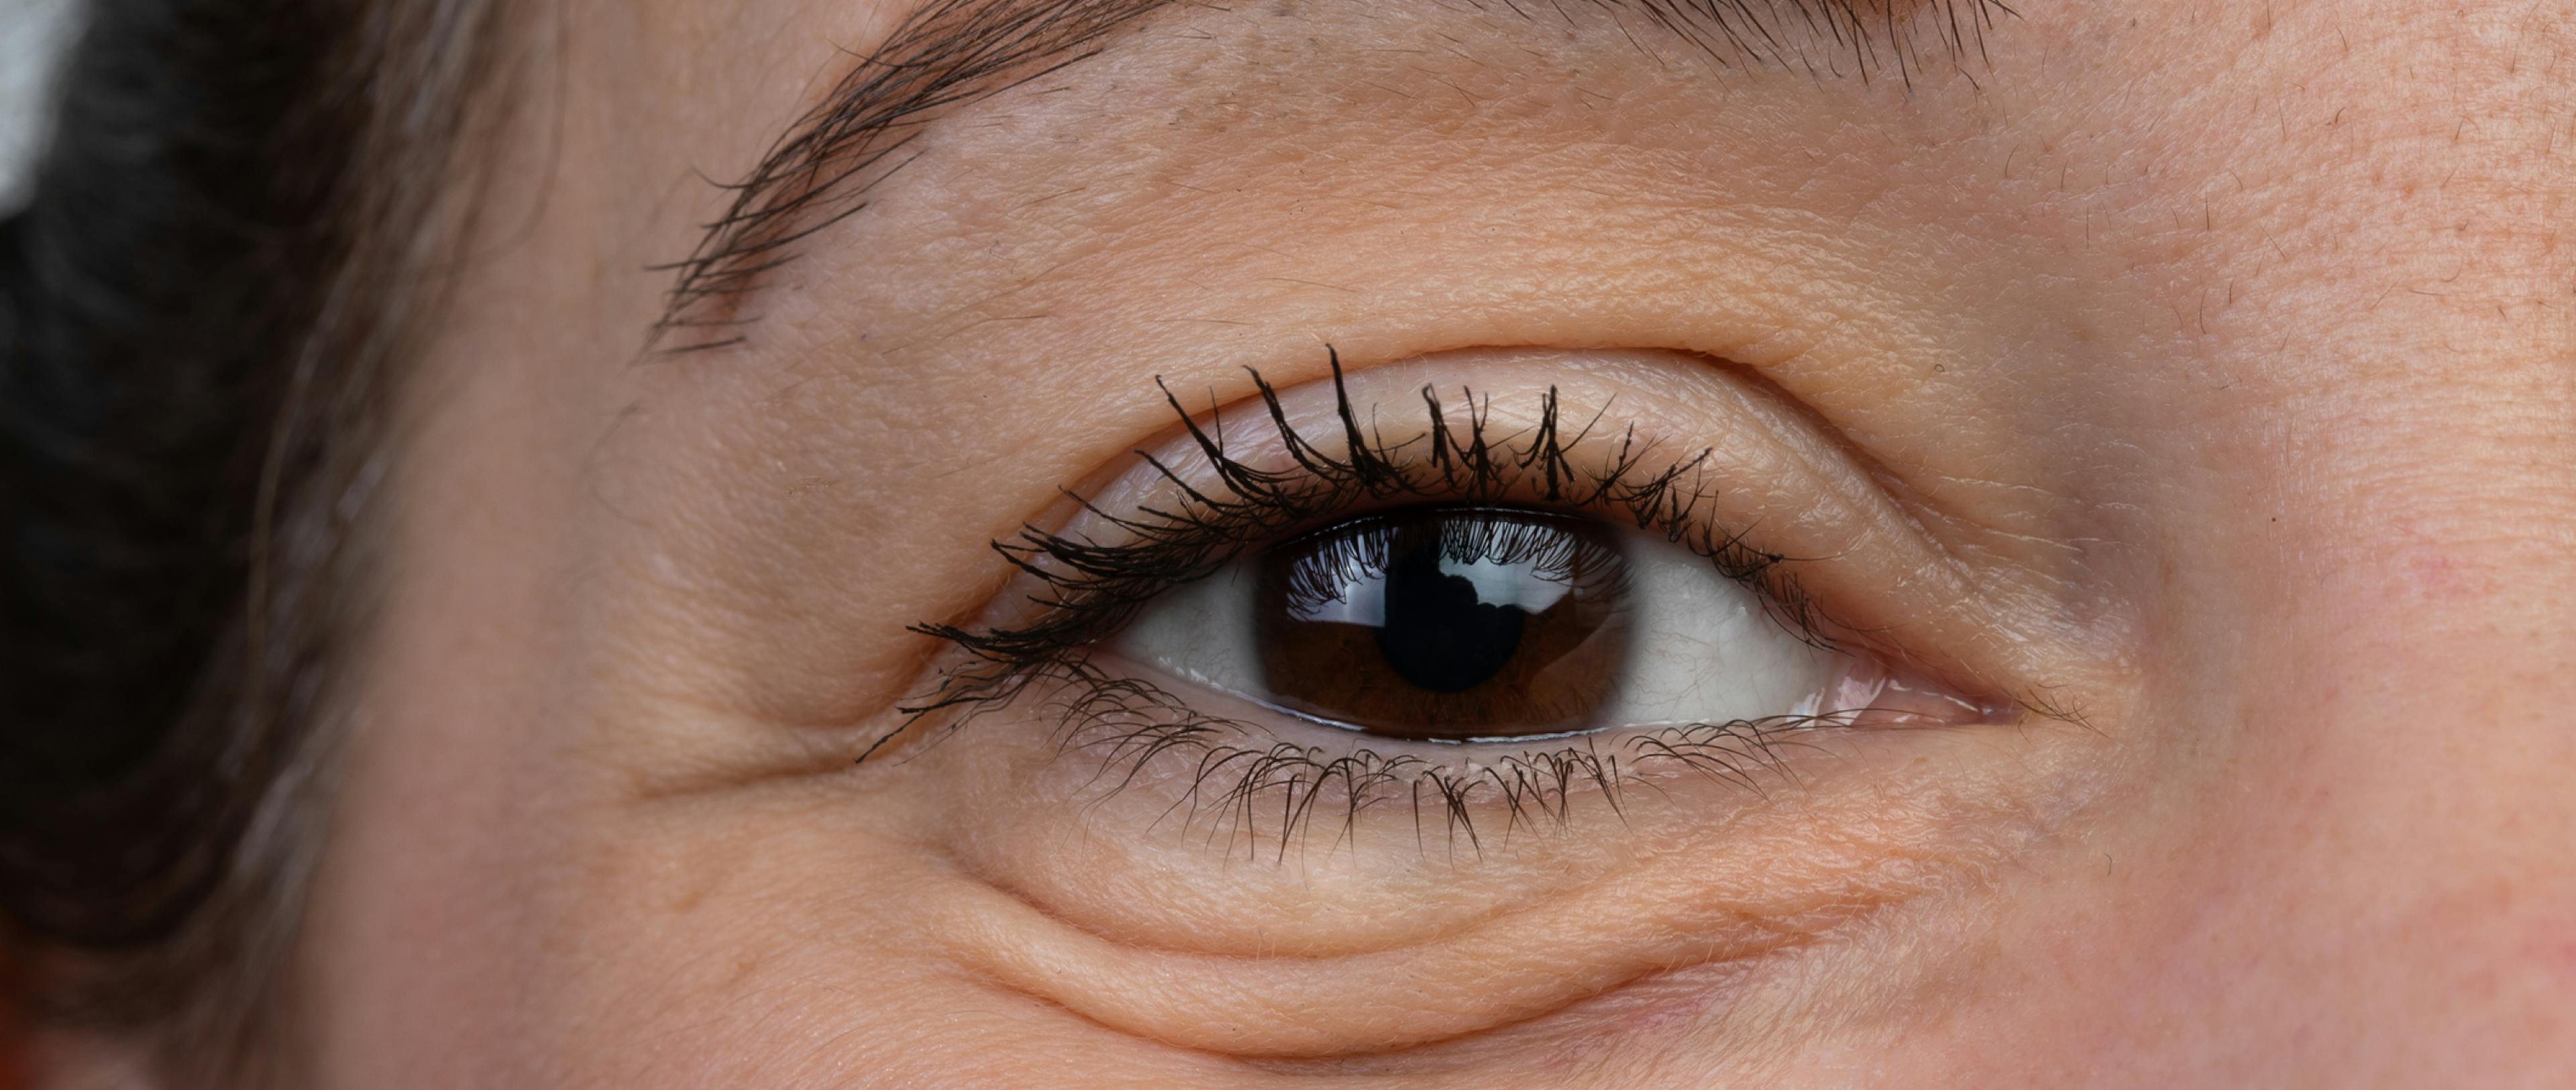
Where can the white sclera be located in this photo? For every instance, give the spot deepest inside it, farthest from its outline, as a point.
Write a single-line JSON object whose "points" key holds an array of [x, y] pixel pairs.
{"points": [[1702, 648]]}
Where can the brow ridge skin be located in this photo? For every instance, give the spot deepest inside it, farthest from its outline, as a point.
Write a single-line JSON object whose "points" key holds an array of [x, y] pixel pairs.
{"points": [[950, 53]]}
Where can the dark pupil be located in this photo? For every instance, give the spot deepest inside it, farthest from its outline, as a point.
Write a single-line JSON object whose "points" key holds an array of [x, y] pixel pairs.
{"points": [[1445, 623], [1440, 633]]}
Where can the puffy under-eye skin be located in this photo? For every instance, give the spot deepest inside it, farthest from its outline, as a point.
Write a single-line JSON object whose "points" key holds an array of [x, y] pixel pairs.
{"points": [[1305, 918]]}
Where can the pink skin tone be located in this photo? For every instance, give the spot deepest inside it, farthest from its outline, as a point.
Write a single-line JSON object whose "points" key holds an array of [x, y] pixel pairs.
{"points": [[2200, 368]]}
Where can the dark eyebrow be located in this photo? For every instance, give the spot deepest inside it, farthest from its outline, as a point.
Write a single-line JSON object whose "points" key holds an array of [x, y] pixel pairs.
{"points": [[950, 52]]}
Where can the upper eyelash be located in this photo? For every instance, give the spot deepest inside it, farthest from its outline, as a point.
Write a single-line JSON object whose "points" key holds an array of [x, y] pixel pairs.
{"points": [[1092, 590], [1338, 556]]}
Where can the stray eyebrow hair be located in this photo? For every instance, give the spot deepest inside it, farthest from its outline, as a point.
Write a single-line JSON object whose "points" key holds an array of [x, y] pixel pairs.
{"points": [[948, 53]]}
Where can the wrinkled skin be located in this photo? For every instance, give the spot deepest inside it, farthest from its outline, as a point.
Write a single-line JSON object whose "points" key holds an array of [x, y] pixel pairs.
{"points": [[2196, 373]]}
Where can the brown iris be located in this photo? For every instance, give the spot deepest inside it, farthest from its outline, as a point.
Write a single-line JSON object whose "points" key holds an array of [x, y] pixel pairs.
{"points": [[1445, 623]]}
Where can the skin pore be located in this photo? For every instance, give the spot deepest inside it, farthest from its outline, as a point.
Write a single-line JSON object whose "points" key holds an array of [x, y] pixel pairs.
{"points": [[2189, 375]]}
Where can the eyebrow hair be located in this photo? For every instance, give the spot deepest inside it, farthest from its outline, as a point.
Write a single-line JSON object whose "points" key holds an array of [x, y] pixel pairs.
{"points": [[948, 53]]}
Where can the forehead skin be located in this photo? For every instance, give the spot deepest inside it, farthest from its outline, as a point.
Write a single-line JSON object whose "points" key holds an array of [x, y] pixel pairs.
{"points": [[2232, 339]]}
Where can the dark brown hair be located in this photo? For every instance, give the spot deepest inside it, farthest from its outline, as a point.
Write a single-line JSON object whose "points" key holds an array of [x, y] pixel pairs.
{"points": [[202, 307]]}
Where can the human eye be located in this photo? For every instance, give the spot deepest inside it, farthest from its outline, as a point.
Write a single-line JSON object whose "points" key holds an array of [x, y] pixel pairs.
{"points": [[1500, 679], [1355, 615]]}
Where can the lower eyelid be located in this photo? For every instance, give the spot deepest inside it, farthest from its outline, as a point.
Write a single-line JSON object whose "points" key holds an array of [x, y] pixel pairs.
{"points": [[1264, 786], [1368, 940]]}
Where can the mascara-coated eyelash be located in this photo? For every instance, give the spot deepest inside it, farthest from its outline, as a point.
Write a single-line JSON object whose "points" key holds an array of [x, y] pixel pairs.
{"points": [[1089, 589], [1089, 584]]}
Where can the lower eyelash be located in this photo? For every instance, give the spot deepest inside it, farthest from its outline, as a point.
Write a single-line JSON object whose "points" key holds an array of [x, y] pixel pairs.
{"points": [[1274, 794]]}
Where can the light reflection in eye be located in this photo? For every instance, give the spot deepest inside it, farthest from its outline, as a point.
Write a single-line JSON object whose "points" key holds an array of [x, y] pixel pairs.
{"points": [[1357, 595], [1438, 621]]}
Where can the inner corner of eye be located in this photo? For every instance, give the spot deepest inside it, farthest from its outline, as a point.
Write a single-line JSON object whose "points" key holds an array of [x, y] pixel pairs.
{"points": [[1476, 624]]}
